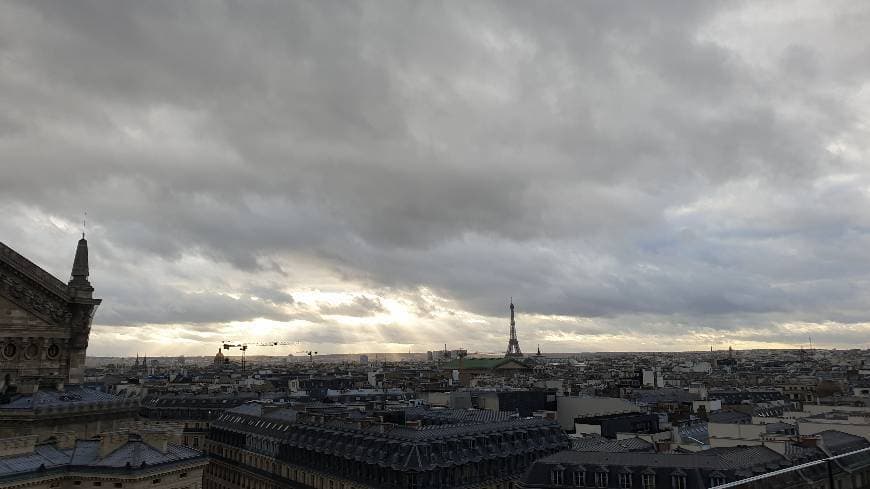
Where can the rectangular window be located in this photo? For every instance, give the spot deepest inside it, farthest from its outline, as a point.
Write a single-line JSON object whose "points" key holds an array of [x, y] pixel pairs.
{"points": [[601, 479], [118, 484], [77, 483], [579, 478], [155, 481], [648, 481], [625, 481], [678, 482], [97, 483], [556, 477]]}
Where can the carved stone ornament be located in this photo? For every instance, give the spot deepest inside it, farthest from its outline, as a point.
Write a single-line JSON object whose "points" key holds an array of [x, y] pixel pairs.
{"points": [[44, 305]]}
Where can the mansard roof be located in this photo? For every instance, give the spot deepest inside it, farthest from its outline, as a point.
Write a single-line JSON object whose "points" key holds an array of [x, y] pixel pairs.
{"points": [[713, 459], [135, 454], [483, 363], [441, 438], [598, 443], [730, 463]]}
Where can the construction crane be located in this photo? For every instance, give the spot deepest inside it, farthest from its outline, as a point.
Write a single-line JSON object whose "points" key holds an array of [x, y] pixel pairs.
{"points": [[243, 347], [310, 355]]}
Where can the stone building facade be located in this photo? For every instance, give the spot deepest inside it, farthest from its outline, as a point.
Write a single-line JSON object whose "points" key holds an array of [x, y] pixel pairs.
{"points": [[44, 322], [44, 329]]}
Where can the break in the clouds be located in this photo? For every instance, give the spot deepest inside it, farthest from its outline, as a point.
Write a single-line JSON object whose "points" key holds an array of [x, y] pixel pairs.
{"points": [[370, 176]]}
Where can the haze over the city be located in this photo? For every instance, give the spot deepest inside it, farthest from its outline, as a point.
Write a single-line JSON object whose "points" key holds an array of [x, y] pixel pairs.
{"points": [[373, 177]]}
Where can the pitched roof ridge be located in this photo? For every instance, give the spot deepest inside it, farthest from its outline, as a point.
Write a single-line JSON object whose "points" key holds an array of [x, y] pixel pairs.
{"points": [[33, 271]]}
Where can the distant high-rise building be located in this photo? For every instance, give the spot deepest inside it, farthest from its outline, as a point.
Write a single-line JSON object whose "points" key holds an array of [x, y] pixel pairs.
{"points": [[513, 348]]}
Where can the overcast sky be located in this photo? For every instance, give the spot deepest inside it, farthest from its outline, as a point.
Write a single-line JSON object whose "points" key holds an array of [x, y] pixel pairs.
{"points": [[384, 176]]}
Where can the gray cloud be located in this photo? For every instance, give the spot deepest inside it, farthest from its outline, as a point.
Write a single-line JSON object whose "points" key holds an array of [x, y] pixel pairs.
{"points": [[360, 306], [668, 160]]}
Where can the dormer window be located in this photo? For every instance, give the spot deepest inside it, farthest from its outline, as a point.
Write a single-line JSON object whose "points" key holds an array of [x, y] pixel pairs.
{"points": [[601, 479], [648, 481], [579, 478], [557, 476]]}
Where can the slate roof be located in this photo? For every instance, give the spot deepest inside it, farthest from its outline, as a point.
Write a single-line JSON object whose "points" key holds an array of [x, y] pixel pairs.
{"points": [[780, 428], [836, 442], [480, 363], [596, 443], [71, 395], [730, 464], [202, 401], [714, 458], [137, 453], [736, 396], [736, 457], [653, 396], [729, 417], [697, 433], [86, 454], [442, 438]]}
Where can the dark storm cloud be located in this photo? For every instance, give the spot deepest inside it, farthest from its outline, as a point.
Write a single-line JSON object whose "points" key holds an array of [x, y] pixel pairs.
{"points": [[590, 159]]}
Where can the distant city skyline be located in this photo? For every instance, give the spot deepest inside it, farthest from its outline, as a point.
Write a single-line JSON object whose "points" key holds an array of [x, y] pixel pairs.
{"points": [[374, 177]]}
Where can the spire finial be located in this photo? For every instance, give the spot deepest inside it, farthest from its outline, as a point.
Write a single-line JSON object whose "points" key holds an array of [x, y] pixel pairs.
{"points": [[78, 284], [84, 224]]}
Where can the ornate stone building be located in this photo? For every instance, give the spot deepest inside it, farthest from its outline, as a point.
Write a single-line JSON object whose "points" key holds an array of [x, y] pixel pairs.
{"points": [[44, 329], [44, 323]]}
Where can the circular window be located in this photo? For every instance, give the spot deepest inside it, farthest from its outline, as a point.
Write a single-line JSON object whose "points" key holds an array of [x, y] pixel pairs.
{"points": [[53, 351], [9, 350], [31, 351]]}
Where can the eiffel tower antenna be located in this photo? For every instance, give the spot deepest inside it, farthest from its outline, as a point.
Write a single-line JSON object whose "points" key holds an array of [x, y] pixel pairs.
{"points": [[513, 349]]}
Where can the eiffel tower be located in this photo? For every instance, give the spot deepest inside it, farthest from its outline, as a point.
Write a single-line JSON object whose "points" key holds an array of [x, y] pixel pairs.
{"points": [[513, 349]]}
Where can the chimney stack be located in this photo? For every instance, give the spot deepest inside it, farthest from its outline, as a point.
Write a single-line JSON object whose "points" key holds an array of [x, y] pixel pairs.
{"points": [[111, 441], [159, 440]]}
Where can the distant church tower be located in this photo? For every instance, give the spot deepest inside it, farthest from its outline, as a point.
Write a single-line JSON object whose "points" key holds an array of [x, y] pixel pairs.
{"points": [[513, 349]]}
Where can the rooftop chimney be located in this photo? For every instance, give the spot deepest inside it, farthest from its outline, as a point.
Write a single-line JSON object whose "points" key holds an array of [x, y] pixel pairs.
{"points": [[159, 440], [111, 441]]}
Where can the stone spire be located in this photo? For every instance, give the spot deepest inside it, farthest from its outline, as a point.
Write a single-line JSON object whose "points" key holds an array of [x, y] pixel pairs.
{"points": [[79, 286]]}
